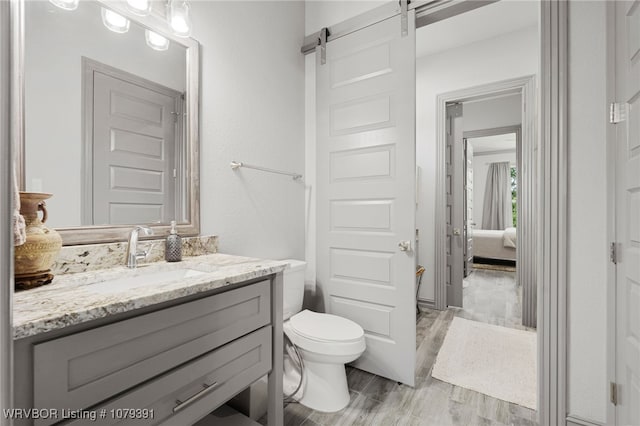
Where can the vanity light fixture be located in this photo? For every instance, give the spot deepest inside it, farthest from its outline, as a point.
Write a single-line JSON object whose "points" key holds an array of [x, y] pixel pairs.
{"points": [[65, 4], [115, 22], [179, 16], [139, 7], [156, 41]]}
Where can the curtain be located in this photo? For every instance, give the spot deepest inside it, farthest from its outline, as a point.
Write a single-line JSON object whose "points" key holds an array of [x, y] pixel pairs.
{"points": [[496, 212]]}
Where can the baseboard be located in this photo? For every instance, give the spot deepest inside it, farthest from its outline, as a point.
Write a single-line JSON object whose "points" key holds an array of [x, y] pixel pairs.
{"points": [[579, 421], [427, 304]]}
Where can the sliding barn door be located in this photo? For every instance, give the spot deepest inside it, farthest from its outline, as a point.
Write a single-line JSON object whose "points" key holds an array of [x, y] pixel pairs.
{"points": [[366, 190]]}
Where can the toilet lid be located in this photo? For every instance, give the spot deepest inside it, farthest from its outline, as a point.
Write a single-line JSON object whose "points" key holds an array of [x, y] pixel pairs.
{"points": [[325, 327]]}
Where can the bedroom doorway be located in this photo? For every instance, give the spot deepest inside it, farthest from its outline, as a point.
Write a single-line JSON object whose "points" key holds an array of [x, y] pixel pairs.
{"points": [[491, 292], [487, 109]]}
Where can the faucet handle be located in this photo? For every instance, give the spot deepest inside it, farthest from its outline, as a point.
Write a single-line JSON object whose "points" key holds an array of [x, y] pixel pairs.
{"points": [[145, 229]]}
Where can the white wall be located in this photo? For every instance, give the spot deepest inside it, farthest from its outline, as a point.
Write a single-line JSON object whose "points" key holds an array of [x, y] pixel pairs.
{"points": [[491, 113], [310, 168], [587, 243], [509, 56], [324, 13], [480, 168], [253, 111], [55, 41]]}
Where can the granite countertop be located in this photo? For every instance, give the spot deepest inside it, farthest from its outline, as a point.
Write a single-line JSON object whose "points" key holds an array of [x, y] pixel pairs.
{"points": [[77, 298]]}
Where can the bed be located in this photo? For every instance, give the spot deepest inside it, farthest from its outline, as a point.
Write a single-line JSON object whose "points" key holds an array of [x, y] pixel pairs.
{"points": [[490, 244]]}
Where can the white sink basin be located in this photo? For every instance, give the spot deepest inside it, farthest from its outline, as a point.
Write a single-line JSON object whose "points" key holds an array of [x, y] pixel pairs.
{"points": [[145, 278]]}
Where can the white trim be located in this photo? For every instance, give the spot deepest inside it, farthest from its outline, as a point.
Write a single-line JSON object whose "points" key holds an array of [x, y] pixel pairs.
{"points": [[6, 219], [552, 218], [579, 421]]}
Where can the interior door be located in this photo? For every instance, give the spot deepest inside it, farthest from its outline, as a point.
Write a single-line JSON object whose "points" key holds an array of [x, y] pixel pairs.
{"points": [[366, 190], [134, 137], [468, 210], [628, 214], [454, 158]]}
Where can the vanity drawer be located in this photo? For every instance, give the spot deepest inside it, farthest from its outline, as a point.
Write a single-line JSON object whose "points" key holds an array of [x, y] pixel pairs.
{"points": [[180, 396], [83, 369]]}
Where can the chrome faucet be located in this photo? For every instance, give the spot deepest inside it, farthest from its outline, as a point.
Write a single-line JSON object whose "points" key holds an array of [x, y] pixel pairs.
{"points": [[132, 247]]}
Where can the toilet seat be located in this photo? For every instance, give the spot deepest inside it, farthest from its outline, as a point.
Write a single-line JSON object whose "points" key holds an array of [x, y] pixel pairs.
{"points": [[352, 340], [326, 327]]}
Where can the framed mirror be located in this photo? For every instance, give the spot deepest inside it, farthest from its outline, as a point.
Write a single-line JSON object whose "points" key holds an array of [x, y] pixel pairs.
{"points": [[107, 121]]}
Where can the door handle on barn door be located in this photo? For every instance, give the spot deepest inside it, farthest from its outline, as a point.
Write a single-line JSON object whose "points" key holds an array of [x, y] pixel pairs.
{"points": [[405, 245], [456, 231]]}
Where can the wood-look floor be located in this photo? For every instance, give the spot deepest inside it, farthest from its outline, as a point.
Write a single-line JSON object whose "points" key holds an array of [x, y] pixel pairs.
{"points": [[490, 296]]}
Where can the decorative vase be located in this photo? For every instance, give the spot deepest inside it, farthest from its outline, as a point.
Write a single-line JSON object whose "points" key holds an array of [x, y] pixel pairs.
{"points": [[34, 258]]}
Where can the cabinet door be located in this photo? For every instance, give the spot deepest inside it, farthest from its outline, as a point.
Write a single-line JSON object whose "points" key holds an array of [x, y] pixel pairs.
{"points": [[83, 369]]}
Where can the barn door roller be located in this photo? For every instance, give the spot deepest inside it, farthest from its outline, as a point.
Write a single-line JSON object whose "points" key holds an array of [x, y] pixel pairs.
{"points": [[322, 45], [404, 17]]}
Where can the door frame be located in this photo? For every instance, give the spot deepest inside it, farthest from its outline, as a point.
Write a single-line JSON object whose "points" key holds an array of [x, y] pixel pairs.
{"points": [[495, 131], [612, 154], [551, 248], [611, 209], [526, 253]]}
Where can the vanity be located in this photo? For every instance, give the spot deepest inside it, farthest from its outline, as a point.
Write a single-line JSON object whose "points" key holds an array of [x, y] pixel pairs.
{"points": [[161, 344], [115, 346]]}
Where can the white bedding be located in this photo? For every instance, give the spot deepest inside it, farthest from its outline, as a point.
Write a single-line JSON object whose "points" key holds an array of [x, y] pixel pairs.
{"points": [[490, 244], [509, 237]]}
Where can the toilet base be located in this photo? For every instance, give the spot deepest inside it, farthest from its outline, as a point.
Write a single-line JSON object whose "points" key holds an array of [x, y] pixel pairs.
{"points": [[325, 387]]}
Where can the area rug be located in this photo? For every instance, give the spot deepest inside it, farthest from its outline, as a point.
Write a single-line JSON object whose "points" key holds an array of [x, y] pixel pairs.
{"points": [[493, 360], [505, 268]]}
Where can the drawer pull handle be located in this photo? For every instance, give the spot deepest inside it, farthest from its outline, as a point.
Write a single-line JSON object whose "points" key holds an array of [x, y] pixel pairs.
{"points": [[192, 399]]}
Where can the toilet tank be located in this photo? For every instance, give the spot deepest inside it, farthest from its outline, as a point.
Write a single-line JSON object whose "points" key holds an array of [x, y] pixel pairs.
{"points": [[293, 287]]}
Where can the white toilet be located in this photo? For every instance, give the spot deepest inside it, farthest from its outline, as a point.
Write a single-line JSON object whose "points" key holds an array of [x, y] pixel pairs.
{"points": [[326, 343]]}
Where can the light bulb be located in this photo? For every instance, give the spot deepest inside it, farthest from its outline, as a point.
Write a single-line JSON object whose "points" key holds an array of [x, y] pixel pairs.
{"points": [[156, 41], [139, 7], [65, 4], [115, 22], [180, 17], [179, 24]]}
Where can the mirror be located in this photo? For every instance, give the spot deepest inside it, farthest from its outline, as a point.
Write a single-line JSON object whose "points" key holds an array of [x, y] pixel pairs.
{"points": [[110, 124]]}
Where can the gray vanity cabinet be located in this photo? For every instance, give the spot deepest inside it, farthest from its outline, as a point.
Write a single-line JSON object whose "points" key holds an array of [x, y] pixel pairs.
{"points": [[174, 364], [184, 395]]}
